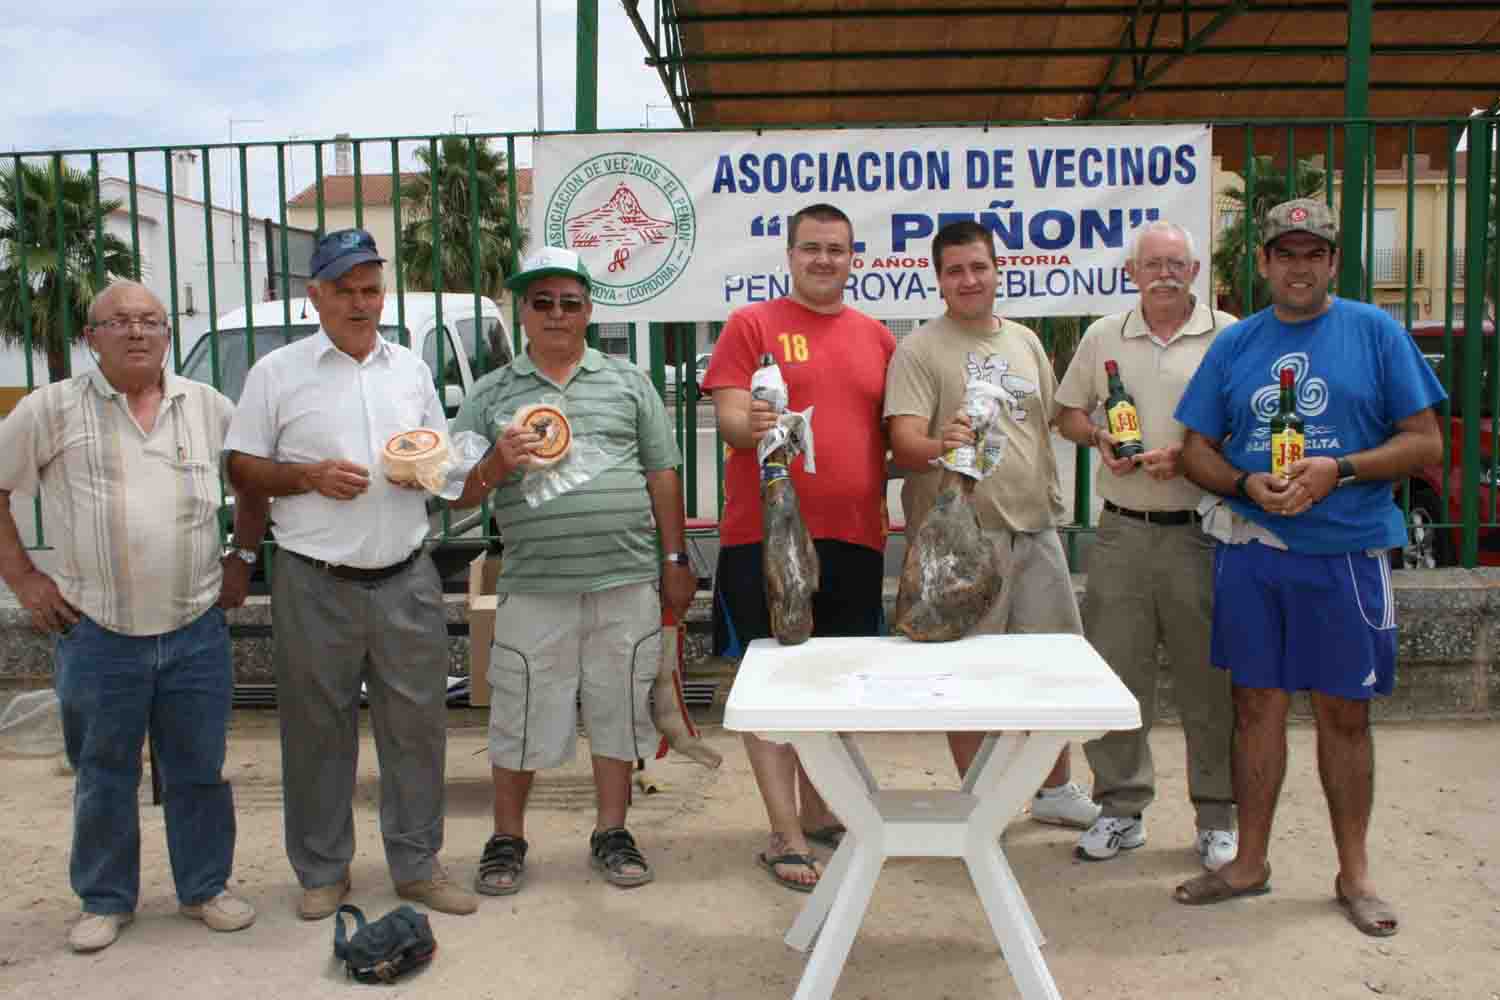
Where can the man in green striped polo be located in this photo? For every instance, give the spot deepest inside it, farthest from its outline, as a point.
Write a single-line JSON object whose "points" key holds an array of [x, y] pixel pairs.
{"points": [[582, 586]]}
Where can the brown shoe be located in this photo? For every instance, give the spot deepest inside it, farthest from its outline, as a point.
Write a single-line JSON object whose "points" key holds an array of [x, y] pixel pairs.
{"points": [[321, 901], [439, 893]]}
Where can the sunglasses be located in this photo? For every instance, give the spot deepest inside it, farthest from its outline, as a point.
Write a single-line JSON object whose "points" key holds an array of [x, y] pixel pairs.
{"points": [[569, 304]]}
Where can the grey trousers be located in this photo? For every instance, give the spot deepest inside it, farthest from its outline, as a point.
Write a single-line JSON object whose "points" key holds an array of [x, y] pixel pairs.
{"points": [[331, 634], [1150, 583]]}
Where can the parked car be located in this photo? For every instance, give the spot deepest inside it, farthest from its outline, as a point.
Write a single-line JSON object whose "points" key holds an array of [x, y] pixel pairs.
{"points": [[1430, 546], [700, 369], [463, 341]]}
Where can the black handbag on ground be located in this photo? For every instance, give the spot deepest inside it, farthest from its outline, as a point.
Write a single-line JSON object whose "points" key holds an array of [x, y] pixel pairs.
{"points": [[385, 950]]}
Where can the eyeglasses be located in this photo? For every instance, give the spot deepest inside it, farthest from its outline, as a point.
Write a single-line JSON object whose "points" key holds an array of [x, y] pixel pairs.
{"points": [[1162, 265], [833, 250], [122, 324], [569, 304]]}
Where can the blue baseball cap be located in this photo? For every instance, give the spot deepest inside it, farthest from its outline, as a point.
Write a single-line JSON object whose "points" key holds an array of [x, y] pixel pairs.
{"points": [[339, 251]]}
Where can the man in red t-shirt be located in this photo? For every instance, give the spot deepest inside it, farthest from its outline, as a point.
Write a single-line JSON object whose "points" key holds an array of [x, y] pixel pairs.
{"points": [[833, 358]]}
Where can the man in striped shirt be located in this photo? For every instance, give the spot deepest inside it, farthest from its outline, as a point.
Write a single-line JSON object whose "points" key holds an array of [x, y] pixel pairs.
{"points": [[582, 586], [126, 459]]}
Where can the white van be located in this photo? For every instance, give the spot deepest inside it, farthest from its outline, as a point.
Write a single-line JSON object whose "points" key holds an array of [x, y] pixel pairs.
{"points": [[473, 346]]}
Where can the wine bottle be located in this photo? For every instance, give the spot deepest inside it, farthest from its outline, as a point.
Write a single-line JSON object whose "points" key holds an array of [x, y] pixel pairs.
{"points": [[1286, 427], [1119, 411]]}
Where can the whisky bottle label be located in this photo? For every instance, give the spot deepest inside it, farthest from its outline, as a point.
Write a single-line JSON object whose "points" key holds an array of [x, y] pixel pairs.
{"points": [[1124, 422], [1286, 448]]}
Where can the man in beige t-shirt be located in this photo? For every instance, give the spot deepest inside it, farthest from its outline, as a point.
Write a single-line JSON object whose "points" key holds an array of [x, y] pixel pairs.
{"points": [[1150, 569], [1019, 502]]}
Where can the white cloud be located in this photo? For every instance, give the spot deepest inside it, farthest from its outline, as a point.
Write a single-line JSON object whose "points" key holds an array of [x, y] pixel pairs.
{"points": [[108, 74]]}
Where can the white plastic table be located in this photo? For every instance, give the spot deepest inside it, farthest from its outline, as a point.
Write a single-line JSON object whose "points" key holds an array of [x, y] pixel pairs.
{"points": [[1036, 692]]}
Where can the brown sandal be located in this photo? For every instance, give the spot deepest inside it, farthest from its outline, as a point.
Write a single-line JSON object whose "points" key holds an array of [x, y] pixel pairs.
{"points": [[1371, 914], [1211, 888]]}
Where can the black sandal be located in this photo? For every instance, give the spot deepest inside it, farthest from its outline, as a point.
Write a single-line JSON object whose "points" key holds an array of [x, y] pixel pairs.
{"points": [[502, 866], [613, 852]]}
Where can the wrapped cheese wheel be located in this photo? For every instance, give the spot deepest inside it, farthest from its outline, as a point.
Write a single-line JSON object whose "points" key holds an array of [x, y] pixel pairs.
{"points": [[556, 433], [417, 456]]}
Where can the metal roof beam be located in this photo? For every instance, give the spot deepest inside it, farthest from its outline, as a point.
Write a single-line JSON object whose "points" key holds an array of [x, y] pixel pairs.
{"points": [[1144, 78], [1447, 86], [1081, 52], [1082, 10], [666, 68]]}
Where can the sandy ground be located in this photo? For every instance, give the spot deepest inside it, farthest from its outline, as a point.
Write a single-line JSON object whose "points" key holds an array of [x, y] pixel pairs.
{"points": [[711, 924]]}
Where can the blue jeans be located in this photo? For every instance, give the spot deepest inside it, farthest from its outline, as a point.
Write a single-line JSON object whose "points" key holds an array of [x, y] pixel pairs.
{"points": [[114, 689]]}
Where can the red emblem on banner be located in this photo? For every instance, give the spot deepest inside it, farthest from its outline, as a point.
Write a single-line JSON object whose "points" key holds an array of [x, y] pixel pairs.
{"points": [[621, 221]]}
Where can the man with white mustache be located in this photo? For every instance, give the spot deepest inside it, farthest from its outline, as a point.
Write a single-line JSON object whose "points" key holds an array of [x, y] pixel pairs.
{"points": [[1150, 569]]}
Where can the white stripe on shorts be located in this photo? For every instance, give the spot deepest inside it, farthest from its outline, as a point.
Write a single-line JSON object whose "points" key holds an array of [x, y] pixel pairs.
{"points": [[1388, 616]]}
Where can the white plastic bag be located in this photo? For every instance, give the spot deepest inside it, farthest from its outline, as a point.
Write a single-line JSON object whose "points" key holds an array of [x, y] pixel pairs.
{"points": [[31, 725], [982, 402], [586, 457], [793, 431], [465, 449]]}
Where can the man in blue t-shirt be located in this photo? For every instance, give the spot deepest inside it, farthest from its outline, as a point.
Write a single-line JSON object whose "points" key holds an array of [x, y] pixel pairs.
{"points": [[1302, 595]]}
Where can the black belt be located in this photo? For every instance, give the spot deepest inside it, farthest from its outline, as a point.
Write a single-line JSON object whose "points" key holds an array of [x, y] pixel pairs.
{"points": [[355, 573], [1156, 516]]}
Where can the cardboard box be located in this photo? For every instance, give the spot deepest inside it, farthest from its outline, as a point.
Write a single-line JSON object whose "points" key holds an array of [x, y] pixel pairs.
{"points": [[483, 572]]}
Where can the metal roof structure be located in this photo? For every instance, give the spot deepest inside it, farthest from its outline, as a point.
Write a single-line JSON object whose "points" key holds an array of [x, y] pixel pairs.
{"points": [[749, 63]]}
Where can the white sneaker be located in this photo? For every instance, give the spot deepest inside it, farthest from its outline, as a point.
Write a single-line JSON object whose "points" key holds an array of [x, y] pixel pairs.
{"points": [[1216, 848], [97, 931], [1065, 805], [1109, 836], [225, 912]]}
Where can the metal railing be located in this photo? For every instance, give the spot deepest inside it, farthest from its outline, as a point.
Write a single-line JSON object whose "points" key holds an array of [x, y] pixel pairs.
{"points": [[114, 211], [1390, 267]]}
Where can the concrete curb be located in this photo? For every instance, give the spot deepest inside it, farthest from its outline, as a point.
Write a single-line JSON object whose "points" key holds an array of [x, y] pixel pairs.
{"points": [[1449, 646]]}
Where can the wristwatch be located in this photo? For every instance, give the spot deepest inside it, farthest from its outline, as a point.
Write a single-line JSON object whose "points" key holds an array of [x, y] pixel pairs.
{"points": [[1346, 473], [680, 558], [247, 556]]}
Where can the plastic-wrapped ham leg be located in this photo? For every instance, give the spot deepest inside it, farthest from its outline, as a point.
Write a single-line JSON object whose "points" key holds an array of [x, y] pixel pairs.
{"points": [[951, 576], [788, 559]]}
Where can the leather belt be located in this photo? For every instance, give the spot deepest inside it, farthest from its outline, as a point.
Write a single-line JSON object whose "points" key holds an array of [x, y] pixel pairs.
{"points": [[1172, 517], [355, 573]]}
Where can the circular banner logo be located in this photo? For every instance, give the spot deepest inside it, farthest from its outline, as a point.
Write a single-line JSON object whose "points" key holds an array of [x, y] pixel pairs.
{"points": [[630, 219]]}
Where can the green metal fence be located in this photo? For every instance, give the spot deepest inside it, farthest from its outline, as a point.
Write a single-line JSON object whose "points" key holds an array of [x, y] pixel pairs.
{"points": [[73, 219]]}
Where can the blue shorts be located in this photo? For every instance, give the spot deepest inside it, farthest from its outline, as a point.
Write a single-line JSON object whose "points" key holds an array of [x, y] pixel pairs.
{"points": [[1303, 622]]}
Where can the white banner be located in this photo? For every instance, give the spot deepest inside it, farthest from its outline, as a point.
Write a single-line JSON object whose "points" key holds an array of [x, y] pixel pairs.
{"points": [[692, 225]]}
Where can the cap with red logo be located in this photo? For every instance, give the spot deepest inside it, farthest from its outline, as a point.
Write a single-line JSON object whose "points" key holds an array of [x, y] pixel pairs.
{"points": [[1301, 215]]}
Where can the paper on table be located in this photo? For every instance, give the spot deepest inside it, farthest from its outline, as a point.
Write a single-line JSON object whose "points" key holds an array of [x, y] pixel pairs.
{"points": [[884, 690]]}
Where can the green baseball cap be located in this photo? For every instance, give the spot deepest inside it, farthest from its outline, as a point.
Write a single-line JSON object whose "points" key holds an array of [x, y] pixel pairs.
{"points": [[549, 261]]}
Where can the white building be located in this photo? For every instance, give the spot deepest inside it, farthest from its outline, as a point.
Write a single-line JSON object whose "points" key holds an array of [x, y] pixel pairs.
{"points": [[196, 259]]}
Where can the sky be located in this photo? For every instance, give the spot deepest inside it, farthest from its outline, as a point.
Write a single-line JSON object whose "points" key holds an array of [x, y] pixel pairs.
{"points": [[95, 74]]}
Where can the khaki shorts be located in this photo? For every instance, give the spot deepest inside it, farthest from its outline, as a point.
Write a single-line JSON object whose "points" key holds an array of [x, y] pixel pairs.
{"points": [[1037, 593], [555, 652]]}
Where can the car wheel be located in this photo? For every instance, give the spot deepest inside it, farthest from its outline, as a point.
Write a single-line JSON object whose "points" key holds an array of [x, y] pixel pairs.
{"points": [[1427, 547]]}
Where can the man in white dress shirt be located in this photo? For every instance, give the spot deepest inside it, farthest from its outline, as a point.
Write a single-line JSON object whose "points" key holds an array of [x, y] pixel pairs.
{"points": [[356, 599]]}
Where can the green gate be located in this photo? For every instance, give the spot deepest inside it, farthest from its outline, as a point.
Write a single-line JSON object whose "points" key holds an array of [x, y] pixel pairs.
{"points": [[72, 220]]}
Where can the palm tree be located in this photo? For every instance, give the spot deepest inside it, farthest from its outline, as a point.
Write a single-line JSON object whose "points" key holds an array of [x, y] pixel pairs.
{"points": [[449, 172], [1234, 250], [73, 274]]}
